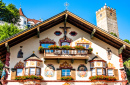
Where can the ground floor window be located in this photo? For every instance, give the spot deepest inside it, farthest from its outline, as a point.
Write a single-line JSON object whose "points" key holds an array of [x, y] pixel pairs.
{"points": [[19, 72], [65, 72], [26, 71], [33, 71], [99, 71], [93, 72], [110, 72]]}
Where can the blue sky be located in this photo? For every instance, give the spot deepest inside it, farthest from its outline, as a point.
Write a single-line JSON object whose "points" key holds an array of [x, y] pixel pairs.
{"points": [[86, 9]]}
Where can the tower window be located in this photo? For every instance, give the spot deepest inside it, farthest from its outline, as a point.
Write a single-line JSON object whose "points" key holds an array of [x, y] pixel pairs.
{"points": [[100, 15], [111, 14], [24, 22]]}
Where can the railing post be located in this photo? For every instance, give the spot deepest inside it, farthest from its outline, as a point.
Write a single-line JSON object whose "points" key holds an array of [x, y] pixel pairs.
{"points": [[44, 52]]}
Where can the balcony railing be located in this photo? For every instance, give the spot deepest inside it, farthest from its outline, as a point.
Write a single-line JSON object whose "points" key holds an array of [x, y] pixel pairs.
{"points": [[65, 53]]}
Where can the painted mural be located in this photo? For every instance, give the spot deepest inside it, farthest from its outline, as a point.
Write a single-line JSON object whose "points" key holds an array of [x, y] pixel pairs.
{"points": [[82, 71], [49, 70]]}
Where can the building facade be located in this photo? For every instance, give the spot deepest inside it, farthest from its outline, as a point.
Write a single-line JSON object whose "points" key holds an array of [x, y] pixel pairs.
{"points": [[87, 55]]}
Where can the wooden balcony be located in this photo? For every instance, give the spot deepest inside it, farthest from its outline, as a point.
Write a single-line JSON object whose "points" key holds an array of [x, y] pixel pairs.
{"points": [[65, 54]]}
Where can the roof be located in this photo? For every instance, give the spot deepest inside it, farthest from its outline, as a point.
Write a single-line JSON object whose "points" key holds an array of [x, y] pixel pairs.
{"points": [[33, 57], [97, 58], [74, 20], [33, 20], [21, 12]]}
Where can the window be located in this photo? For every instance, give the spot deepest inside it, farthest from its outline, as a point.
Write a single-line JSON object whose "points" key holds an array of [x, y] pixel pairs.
{"points": [[24, 22], [65, 43], [93, 72], [19, 72], [104, 71], [99, 71], [73, 33], [111, 14], [32, 71], [100, 15], [37, 71], [26, 71], [57, 33], [28, 26], [46, 46], [110, 72], [65, 72]]}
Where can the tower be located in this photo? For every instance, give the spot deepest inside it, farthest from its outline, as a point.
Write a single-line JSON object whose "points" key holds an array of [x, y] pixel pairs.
{"points": [[106, 19]]}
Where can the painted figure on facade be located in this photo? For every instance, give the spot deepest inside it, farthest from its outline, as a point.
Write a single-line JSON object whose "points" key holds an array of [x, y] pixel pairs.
{"points": [[109, 53], [4, 76], [49, 71], [20, 53]]}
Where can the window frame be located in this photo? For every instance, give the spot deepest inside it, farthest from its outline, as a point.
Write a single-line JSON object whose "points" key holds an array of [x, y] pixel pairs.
{"points": [[99, 68], [85, 45]]}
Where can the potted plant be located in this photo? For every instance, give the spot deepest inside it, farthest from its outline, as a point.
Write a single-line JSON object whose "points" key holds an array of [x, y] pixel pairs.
{"points": [[40, 49], [79, 47], [66, 47], [67, 78], [53, 47], [90, 50]]}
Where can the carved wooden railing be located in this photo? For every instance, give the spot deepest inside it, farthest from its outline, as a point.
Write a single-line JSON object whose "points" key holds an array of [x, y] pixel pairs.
{"points": [[64, 52]]}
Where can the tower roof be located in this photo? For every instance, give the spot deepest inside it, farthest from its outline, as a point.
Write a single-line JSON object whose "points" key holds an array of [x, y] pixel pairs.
{"points": [[21, 12]]}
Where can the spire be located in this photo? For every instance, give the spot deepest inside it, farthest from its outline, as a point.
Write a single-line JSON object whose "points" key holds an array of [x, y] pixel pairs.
{"points": [[105, 4], [21, 12]]}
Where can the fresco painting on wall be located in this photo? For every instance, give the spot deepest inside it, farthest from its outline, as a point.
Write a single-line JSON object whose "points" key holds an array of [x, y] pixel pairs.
{"points": [[82, 71], [49, 71]]}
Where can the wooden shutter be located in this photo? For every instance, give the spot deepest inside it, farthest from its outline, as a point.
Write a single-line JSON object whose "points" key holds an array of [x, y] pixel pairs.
{"points": [[116, 74], [73, 74], [13, 73], [58, 74]]}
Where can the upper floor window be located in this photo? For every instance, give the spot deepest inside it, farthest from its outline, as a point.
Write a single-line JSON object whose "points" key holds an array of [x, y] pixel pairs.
{"points": [[65, 72], [46, 45], [73, 33], [57, 33], [85, 45], [19, 72]]}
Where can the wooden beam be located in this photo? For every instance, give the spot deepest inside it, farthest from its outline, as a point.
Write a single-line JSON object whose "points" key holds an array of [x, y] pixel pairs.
{"points": [[72, 61], [38, 32], [86, 61], [92, 34], [58, 60], [121, 49], [7, 47]]}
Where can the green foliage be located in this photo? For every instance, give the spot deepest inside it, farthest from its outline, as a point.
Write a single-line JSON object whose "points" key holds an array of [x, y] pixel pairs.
{"points": [[1, 65], [8, 30], [9, 13], [127, 41], [127, 66], [114, 34]]}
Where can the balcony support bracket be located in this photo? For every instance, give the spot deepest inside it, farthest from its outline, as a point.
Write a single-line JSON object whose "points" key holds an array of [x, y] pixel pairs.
{"points": [[58, 60], [92, 34], [38, 32], [72, 61], [86, 61], [121, 49]]}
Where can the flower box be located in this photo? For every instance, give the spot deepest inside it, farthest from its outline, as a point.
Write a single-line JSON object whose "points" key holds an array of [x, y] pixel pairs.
{"points": [[67, 78], [102, 77], [28, 78]]}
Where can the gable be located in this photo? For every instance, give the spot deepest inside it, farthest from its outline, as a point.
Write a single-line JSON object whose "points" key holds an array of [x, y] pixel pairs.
{"points": [[72, 19]]}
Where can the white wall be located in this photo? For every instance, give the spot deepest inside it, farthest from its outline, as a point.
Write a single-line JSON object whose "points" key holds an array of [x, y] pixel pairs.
{"points": [[32, 44]]}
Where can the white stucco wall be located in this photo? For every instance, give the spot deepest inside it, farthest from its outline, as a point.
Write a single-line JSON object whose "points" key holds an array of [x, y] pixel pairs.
{"points": [[22, 25], [32, 44]]}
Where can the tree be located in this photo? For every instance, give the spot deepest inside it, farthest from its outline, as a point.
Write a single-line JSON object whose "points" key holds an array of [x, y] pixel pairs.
{"points": [[127, 41], [127, 67], [113, 34], [9, 13], [8, 30], [2, 10]]}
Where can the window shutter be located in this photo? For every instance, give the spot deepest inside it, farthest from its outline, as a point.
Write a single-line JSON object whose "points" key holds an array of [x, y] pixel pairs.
{"points": [[116, 74], [58, 74], [13, 73], [73, 74]]}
